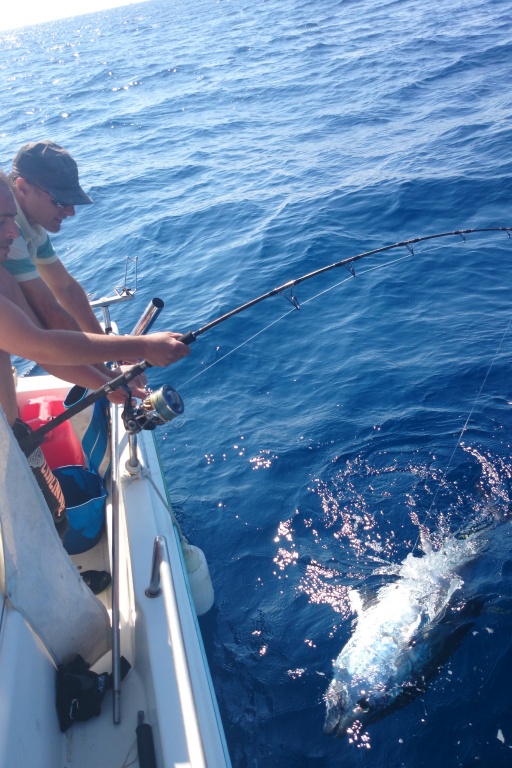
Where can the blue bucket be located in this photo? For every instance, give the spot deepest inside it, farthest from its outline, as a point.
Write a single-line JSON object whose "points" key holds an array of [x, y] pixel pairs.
{"points": [[85, 497]]}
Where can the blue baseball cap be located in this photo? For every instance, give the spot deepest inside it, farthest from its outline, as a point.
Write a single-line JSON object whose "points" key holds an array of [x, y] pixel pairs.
{"points": [[49, 166]]}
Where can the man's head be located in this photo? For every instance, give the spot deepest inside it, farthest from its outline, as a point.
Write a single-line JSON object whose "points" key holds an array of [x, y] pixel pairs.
{"points": [[8, 229], [46, 184]]}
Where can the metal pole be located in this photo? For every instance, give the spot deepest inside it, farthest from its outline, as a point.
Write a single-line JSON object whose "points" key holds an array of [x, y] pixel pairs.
{"points": [[116, 639], [133, 460], [107, 323], [148, 317], [142, 327]]}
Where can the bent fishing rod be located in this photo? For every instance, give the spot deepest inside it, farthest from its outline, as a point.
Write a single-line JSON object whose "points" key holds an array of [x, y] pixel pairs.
{"points": [[165, 404], [191, 336]]}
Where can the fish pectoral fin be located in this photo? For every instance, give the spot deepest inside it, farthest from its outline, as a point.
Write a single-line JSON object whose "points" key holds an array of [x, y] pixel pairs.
{"points": [[364, 706]]}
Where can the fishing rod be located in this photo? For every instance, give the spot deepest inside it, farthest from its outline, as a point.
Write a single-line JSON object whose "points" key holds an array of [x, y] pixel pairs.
{"points": [[165, 404], [191, 336]]}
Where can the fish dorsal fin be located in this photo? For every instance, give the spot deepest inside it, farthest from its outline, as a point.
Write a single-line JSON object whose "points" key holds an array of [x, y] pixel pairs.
{"points": [[356, 601], [425, 542]]}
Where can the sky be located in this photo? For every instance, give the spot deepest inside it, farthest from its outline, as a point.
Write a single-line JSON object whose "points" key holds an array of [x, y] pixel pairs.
{"points": [[19, 14]]}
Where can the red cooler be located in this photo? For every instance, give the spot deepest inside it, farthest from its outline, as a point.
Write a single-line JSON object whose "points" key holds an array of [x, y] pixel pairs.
{"points": [[61, 446]]}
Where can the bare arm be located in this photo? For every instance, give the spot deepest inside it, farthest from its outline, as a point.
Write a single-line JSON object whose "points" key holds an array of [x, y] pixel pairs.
{"points": [[24, 338], [69, 294], [46, 307], [40, 296]]}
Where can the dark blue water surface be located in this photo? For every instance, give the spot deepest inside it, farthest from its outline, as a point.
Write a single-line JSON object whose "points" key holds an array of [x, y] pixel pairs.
{"points": [[232, 146]]}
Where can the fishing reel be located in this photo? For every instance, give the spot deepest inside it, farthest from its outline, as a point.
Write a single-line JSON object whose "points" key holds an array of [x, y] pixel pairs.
{"points": [[157, 408]]}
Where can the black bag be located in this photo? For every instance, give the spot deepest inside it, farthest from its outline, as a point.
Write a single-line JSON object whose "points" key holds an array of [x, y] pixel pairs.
{"points": [[80, 692], [45, 478]]}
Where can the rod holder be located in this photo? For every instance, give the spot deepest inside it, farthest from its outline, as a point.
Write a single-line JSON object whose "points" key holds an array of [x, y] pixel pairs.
{"points": [[148, 317]]}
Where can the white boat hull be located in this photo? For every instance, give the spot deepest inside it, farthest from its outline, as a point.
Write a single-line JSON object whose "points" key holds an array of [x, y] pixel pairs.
{"points": [[185, 721]]}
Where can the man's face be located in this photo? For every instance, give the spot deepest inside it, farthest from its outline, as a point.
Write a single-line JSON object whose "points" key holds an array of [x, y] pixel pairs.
{"points": [[8, 229], [41, 208]]}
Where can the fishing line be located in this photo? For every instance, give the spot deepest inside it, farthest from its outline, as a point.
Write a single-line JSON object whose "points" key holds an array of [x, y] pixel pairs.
{"points": [[191, 336], [468, 419], [235, 349]]}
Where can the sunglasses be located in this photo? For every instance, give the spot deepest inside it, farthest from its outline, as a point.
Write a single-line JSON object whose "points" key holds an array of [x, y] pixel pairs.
{"points": [[56, 203]]}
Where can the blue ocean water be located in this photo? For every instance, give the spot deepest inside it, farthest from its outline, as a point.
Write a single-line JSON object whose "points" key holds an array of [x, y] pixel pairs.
{"points": [[231, 146]]}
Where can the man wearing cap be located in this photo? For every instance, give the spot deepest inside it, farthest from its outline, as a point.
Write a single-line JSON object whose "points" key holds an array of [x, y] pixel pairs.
{"points": [[66, 354], [46, 188]]}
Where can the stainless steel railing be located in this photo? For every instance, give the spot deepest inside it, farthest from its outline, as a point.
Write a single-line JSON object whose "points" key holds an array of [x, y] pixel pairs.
{"points": [[116, 633], [162, 583], [145, 322]]}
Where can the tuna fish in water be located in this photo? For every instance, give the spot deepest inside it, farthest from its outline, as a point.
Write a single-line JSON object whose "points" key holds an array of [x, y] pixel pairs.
{"points": [[397, 636]]}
